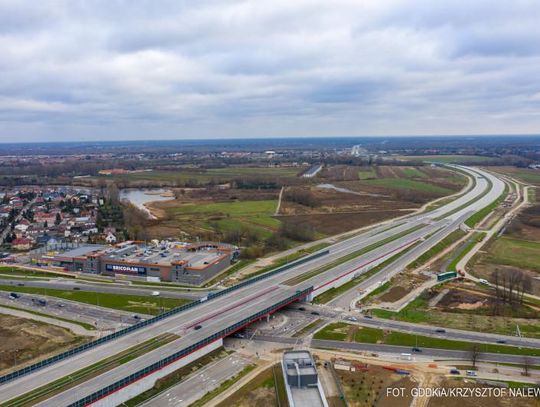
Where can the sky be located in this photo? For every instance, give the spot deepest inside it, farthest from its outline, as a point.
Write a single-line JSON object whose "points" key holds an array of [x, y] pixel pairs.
{"points": [[118, 70]]}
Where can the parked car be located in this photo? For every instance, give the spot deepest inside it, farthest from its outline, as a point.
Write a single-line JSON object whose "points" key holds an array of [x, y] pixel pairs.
{"points": [[454, 371], [301, 309], [315, 313], [14, 296], [197, 327], [136, 317], [471, 373], [368, 316]]}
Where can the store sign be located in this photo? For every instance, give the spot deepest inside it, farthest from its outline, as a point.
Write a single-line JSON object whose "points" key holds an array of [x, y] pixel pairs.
{"points": [[119, 268]]}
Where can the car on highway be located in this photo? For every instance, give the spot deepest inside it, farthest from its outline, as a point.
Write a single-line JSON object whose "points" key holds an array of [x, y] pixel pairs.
{"points": [[368, 316], [155, 293], [39, 301], [315, 313], [60, 305], [301, 309], [501, 341], [352, 319], [417, 350], [197, 327], [440, 330], [77, 288], [14, 296], [20, 284]]}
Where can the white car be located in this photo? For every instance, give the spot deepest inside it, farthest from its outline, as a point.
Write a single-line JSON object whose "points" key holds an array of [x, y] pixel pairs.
{"points": [[155, 293]]}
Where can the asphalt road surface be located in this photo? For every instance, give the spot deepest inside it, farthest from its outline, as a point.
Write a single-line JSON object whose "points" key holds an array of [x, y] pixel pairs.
{"points": [[227, 310], [106, 288], [100, 317], [199, 383]]}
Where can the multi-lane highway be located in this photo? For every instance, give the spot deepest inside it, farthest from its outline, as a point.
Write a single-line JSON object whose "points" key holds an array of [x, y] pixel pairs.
{"points": [[212, 316]]}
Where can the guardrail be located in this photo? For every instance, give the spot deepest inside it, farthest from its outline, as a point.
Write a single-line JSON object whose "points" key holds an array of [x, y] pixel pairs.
{"points": [[142, 324], [186, 351], [269, 273]]}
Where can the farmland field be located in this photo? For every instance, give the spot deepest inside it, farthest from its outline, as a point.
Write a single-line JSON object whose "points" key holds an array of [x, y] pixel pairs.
{"points": [[515, 252], [448, 158]]}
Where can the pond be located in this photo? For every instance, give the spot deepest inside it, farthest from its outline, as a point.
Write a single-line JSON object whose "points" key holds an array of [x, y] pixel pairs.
{"points": [[140, 197]]}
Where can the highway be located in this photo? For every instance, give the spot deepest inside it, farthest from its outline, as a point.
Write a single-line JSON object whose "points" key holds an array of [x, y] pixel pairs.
{"points": [[229, 309], [110, 288], [398, 350], [421, 329]]}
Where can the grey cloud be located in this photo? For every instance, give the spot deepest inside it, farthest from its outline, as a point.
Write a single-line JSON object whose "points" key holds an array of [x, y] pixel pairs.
{"points": [[71, 69]]}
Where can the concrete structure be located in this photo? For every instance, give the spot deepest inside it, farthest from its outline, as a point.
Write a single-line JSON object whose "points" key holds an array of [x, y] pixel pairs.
{"points": [[301, 380], [312, 171], [189, 263]]}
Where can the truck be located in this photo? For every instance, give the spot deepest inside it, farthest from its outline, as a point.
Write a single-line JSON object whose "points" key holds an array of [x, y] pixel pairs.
{"points": [[446, 276]]}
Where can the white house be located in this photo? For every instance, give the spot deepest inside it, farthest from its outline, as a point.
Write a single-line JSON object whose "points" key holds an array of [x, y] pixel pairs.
{"points": [[110, 238]]}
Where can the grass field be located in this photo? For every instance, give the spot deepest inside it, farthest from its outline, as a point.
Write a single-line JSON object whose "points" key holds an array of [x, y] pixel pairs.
{"points": [[255, 215], [417, 311], [340, 331], [413, 172], [364, 174], [515, 252], [409, 184], [130, 303]]}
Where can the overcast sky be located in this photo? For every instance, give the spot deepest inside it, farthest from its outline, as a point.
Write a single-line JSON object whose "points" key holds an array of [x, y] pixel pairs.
{"points": [[103, 70]]}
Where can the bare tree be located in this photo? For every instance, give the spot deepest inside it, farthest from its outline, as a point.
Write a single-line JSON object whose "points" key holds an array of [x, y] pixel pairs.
{"points": [[526, 365], [474, 353]]}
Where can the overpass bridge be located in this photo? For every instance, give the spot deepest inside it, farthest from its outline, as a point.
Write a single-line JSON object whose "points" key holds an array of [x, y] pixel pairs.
{"points": [[202, 324]]}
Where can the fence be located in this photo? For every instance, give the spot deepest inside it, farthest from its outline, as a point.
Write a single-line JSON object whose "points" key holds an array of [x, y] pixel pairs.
{"points": [[186, 351], [142, 324]]}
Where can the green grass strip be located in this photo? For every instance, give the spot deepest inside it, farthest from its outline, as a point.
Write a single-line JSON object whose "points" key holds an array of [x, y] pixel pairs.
{"points": [[351, 256], [482, 213], [224, 386], [437, 248], [130, 303], [469, 244], [332, 293], [396, 338], [307, 328]]}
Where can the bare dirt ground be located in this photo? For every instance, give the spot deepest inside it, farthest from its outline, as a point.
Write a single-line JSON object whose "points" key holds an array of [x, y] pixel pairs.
{"points": [[23, 340], [401, 286], [363, 389], [446, 382]]}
